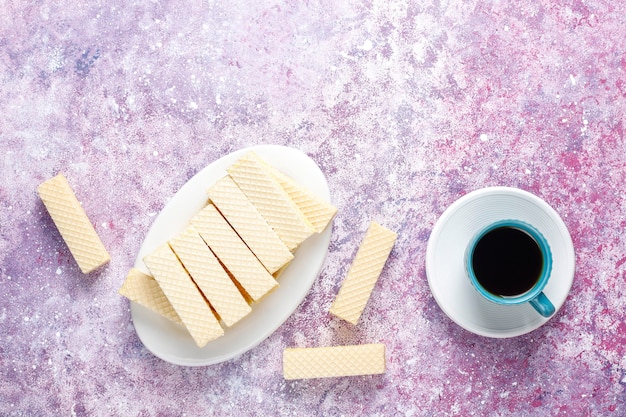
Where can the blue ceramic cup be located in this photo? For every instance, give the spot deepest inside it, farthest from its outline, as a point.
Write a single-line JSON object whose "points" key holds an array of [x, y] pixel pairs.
{"points": [[509, 262]]}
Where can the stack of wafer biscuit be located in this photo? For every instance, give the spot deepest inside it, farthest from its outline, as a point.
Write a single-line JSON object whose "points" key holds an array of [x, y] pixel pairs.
{"points": [[209, 276]]}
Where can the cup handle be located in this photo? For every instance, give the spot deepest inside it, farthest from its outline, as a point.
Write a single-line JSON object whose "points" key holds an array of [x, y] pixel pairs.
{"points": [[542, 305]]}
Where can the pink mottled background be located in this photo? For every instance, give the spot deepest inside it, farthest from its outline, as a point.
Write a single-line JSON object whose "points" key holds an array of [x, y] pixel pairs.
{"points": [[405, 105]]}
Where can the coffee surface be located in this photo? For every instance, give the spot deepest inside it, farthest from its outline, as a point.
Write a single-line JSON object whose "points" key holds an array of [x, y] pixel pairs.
{"points": [[507, 261]]}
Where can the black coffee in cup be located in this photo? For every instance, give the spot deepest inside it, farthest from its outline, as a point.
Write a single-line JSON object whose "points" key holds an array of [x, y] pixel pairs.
{"points": [[507, 261]]}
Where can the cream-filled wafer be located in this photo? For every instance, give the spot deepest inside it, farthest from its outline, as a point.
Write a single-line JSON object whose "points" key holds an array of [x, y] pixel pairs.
{"points": [[271, 200], [363, 273], [73, 224], [233, 253], [210, 276], [249, 224], [318, 211], [185, 297], [279, 273], [144, 290], [323, 362]]}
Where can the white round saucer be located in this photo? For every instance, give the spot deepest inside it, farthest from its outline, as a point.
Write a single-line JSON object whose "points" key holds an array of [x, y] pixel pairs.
{"points": [[446, 248]]}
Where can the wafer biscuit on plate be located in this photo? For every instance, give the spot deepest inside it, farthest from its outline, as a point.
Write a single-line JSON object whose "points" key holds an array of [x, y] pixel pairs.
{"points": [[185, 297], [71, 220], [363, 273], [233, 253], [271, 200], [318, 211], [144, 290], [249, 224], [323, 362], [210, 276]]}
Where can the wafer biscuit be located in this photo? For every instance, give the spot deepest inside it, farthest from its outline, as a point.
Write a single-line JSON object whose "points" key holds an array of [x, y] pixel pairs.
{"points": [[271, 200], [249, 224], [71, 220], [210, 276], [318, 211], [363, 273], [233, 253], [279, 273], [185, 297], [322, 362], [143, 289]]}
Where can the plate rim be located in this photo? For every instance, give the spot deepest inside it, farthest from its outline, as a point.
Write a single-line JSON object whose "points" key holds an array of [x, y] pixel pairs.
{"points": [[570, 268]]}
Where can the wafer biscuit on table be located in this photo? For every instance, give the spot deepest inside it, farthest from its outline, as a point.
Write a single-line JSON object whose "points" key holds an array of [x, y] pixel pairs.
{"points": [[71, 220], [271, 200], [363, 273], [144, 290], [249, 224], [318, 211], [185, 297], [233, 253], [323, 362], [210, 276]]}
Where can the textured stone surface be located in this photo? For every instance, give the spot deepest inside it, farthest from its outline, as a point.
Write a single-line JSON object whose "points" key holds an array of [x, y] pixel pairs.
{"points": [[406, 106]]}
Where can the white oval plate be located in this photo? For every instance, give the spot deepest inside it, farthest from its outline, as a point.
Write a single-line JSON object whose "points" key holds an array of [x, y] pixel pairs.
{"points": [[173, 343], [446, 248]]}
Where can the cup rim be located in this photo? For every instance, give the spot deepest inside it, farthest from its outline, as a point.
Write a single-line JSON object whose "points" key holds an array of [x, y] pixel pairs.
{"points": [[545, 271]]}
